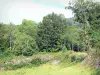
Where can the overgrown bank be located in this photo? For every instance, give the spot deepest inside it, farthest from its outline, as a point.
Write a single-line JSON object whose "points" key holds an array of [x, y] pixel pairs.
{"points": [[49, 63]]}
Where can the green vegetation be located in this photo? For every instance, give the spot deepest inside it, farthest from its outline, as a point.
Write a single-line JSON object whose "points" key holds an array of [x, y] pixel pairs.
{"points": [[55, 45], [87, 12], [36, 60], [50, 31], [78, 57], [40, 67], [97, 72], [48, 70], [34, 63]]}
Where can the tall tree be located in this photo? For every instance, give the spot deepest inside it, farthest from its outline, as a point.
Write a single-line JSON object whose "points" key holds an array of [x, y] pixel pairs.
{"points": [[2, 40], [5, 34], [25, 38], [72, 36], [11, 28], [49, 32], [88, 13]]}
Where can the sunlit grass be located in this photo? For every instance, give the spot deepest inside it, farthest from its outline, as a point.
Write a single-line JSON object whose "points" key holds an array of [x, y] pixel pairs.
{"points": [[66, 67], [48, 69]]}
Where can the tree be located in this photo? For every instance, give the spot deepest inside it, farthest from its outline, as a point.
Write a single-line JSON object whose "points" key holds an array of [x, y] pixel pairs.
{"points": [[71, 36], [2, 40], [88, 13], [25, 38], [5, 34], [23, 44], [10, 28], [50, 31]]}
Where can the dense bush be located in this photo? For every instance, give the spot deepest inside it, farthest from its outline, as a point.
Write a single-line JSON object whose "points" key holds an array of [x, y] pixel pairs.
{"points": [[77, 57], [37, 62], [5, 56], [28, 52]]}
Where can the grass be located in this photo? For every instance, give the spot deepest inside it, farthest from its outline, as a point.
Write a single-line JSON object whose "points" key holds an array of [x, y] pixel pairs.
{"points": [[48, 69], [66, 67]]}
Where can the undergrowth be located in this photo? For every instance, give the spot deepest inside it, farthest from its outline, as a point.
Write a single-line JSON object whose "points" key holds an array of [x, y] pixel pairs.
{"points": [[67, 58], [34, 63]]}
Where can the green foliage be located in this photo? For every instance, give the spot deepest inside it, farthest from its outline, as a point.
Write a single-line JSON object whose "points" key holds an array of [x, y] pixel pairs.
{"points": [[95, 41], [97, 72], [35, 62], [97, 46], [64, 49], [50, 31], [77, 57], [4, 57], [87, 12], [14, 67], [83, 13], [24, 38], [71, 37], [24, 45], [4, 37]]}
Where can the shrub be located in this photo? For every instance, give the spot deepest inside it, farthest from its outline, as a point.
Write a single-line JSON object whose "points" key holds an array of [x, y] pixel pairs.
{"points": [[64, 49], [2, 55], [73, 58], [14, 66], [37, 62], [97, 46], [77, 57], [28, 52]]}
